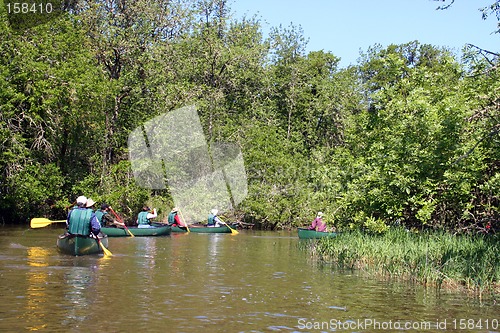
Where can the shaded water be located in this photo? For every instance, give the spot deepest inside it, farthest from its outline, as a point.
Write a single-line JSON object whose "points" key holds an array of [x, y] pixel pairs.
{"points": [[251, 282]]}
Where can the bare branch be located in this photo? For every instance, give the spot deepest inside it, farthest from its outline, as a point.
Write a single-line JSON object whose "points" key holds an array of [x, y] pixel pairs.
{"points": [[481, 50], [495, 130], [445, 6]]}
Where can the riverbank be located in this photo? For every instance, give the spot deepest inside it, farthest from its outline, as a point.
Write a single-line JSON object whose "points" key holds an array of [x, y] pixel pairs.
{"points": [[431, 258]]}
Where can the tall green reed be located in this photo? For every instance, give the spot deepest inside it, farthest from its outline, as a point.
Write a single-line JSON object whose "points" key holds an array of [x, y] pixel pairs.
{"points": [[431, 258]]}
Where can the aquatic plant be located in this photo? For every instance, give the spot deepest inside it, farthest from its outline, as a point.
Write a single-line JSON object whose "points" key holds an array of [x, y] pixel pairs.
{"points": [[430, 258]]}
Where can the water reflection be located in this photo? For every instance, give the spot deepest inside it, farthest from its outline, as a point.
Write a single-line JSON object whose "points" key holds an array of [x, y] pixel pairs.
{"points": [[79, 281], [146, 248], [213, 252], [36, 289], [37, 256]]}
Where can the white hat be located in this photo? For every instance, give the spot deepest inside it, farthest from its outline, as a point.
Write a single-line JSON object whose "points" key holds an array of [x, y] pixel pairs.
{"points": [[90, 202], [214, 211], [81, 200], [320, 214]]}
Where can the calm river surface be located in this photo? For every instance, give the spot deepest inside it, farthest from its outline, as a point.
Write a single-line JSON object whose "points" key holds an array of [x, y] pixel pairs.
{"points": [[252, 282]]}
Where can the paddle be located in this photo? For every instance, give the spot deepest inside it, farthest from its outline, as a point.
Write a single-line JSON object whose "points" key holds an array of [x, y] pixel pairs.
{"points": [[233, 232], [121, 221], [70, 205], [104, 249], [40, 222], [184, 221]]}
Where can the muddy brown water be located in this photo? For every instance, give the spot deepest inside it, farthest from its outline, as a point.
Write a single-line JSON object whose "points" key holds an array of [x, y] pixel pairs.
{"points": [[255, 281]]}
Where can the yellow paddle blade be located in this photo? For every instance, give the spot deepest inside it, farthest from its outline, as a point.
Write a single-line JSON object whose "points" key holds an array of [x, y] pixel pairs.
{"points": [[233, 232], [104, 249], [40, 222]]}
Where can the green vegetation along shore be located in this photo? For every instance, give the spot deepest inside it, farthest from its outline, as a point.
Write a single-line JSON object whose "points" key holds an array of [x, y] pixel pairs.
{"points": [[437, 259], [410, 135]]}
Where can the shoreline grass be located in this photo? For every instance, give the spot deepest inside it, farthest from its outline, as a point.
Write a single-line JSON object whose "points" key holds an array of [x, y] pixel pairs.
{"points": [[432, 258]]}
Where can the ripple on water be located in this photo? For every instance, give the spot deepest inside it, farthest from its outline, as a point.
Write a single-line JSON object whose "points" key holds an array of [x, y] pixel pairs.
{"points": [[341, 308]]}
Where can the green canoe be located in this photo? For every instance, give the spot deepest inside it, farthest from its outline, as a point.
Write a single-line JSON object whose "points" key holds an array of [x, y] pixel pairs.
{"points": [[80, 245], [313, 234], [139, 232], [204, 230]]}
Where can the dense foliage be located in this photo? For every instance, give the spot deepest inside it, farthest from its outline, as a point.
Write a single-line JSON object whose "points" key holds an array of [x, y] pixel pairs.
{"points": [[409, 136]]}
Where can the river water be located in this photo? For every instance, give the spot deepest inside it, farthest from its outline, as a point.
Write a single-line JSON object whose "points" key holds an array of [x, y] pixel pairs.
{"points": [[255, 281]]}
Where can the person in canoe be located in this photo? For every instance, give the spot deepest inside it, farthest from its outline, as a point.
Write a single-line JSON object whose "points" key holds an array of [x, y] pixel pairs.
{"points": [[82, 220], [214, 220], [144, 217], [318, 224], [174, 219], [105, 218]]}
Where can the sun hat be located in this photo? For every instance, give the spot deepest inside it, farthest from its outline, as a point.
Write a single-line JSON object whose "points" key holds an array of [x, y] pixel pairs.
{"points": [[90, 202], [175, 209], [81, 200], [320, 214], [214, 211]]}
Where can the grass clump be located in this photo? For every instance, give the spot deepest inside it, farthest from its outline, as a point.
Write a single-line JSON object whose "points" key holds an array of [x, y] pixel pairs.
{"points": [[430, 258]]}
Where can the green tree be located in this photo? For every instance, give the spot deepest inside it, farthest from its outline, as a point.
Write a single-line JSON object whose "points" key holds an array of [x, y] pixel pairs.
{"points": [[49, 101], [406, 153]]}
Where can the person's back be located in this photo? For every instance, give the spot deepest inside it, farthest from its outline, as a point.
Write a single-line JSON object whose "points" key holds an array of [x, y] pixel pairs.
{"points": [[82, 220], [211, 220], [173, 217], [318, 224], [144, 217], [79, 221], [105, 219]]}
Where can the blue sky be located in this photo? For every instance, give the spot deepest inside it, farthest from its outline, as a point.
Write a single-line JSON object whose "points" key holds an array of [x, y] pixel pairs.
{"points": [[344, 27]]}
